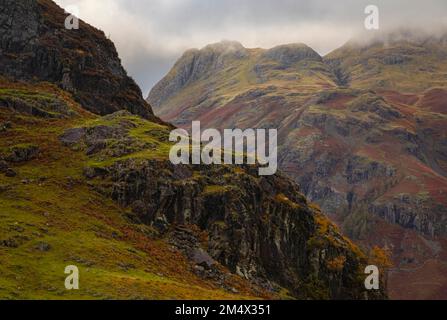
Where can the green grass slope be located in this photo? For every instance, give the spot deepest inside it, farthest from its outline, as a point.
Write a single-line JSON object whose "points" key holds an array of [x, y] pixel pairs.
{"points": [[50, 218]]}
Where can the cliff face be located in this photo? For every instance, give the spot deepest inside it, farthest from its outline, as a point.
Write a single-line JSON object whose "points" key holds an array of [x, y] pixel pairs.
{"points": [[362, 131], [100, 192], [35, 45], [261, 228]]}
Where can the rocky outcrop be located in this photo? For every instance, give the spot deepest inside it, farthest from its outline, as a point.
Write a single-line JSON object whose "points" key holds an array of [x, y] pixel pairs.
{"points": [[413, 212], [22, 153], [261, 228], [35, 104], [16, 154], [35, 45]]}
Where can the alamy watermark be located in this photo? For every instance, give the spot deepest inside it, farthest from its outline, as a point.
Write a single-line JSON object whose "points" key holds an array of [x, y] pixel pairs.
{"points": [[235, 147], [372, 281], [372, 21], [72, 20], [72, 280]]}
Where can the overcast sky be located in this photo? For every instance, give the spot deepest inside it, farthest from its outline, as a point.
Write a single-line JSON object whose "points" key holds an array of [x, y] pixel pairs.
{"points": [[151, 35]]}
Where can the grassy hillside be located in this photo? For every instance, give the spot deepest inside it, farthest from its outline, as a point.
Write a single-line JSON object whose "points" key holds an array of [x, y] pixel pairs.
{"points": [[56, 209], [50, 218]]}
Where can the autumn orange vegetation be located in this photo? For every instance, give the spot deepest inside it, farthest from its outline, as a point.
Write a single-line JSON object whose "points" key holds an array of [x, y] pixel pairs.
{"points": [[337, 263], [381, 257]]}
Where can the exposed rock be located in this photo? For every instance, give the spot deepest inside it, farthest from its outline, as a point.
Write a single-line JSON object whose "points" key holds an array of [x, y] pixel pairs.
{"points": [[395, 59], [34, 44], [43, 246], [187, 241], [250, 231], [3, 166], [413, 212], [14, 242], [201, 258], [261, 228], [31, 103], [376, 105], [10, 243], [72, 136], [10, 173], [360, 169], [111, 140], [96, 147], [5, 126], [22, 153], [160, 223], [66, 82]]}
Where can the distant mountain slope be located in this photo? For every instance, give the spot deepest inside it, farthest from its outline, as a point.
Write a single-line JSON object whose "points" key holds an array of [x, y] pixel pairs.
{"points": [[363, 131], [99, 192], [226, 74], [405, 61]]}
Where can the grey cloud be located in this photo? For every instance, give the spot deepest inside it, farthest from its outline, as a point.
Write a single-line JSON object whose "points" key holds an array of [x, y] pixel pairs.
{"points": [[151, 34], [147, 68]]}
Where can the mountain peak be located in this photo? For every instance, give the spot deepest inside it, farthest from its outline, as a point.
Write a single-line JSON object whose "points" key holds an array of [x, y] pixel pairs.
{"points": [[222, 64], [225, 46], [292, 53], [35, 45]]}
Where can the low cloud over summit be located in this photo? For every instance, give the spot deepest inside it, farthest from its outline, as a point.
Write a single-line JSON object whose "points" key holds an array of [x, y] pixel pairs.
{"points": [[157, 32]]}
